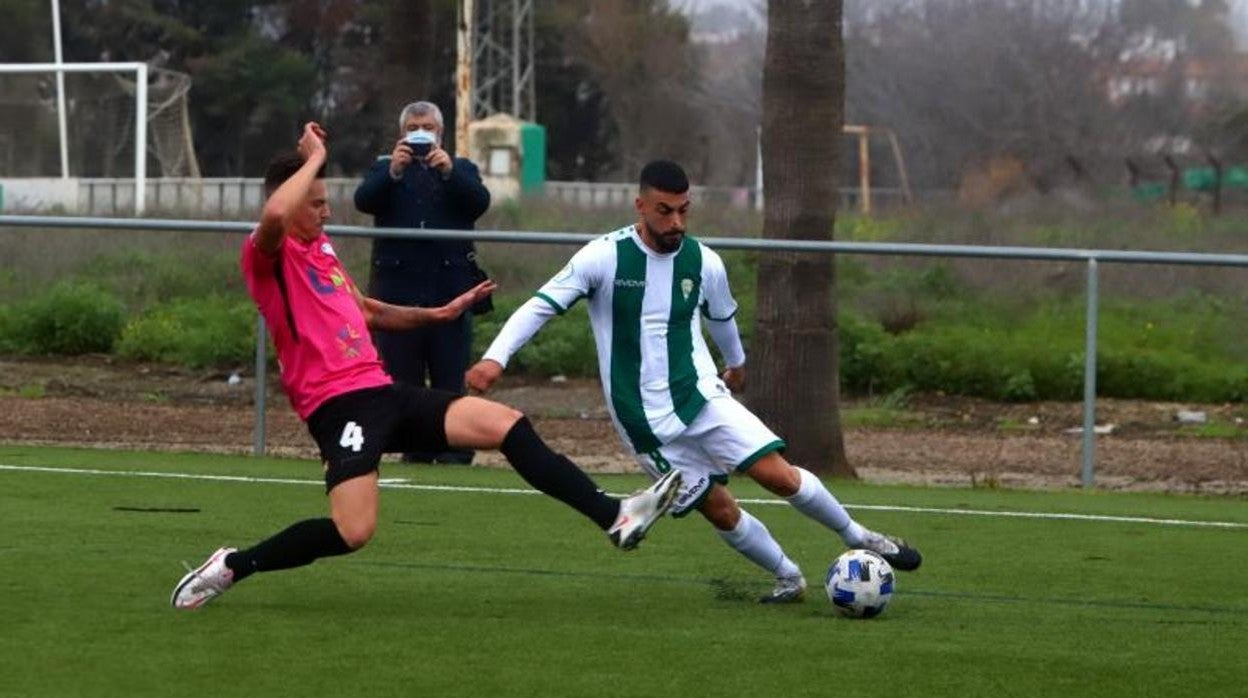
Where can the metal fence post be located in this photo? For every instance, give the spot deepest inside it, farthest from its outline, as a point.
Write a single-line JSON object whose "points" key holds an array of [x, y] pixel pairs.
{"points": [[257, 448], [1089, 378]]}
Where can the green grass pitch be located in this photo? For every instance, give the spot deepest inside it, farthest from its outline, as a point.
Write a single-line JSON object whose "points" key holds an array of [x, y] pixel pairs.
{"points": [[478, 593]]}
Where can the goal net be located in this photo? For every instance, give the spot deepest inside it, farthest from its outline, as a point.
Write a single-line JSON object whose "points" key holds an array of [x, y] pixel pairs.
{"points": [[100, 124]]}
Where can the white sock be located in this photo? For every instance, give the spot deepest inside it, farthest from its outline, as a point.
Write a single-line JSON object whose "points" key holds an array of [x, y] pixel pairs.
{"points": [[815, 501], [752, 539]]}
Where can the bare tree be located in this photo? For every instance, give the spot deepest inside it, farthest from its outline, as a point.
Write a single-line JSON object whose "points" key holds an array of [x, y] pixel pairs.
{"points": [[796, 367], [638, 52], [408, 49], [727, 99], [965, 80]]}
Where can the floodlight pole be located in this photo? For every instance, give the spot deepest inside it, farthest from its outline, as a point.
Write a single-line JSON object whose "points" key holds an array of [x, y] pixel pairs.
{"points": [[60, 89]]}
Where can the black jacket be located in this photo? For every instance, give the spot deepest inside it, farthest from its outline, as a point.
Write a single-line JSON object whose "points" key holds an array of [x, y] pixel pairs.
{"points": [[422, 272]]}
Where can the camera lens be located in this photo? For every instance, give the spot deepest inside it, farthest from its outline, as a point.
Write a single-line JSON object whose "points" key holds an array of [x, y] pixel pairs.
{"points": [[421, 142]]}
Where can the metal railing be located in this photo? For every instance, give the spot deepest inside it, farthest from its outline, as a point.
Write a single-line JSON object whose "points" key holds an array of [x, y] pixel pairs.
{"points": [[1092, 258]]}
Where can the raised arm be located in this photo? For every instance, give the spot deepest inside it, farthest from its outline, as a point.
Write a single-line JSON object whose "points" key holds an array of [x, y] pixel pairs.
{"points": [[516, 332], [283, 203], [575, 281]]}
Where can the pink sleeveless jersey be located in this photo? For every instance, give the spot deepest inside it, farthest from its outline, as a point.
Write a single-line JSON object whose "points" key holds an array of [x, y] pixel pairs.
{"points": [[308, 303]]}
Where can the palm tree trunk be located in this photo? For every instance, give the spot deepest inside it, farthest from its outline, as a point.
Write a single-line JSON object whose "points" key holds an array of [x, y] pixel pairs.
{"points": [[795, 385]]}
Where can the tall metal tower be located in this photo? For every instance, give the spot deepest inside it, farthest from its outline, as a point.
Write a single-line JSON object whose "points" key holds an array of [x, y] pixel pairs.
{"points": [[503, 59], [495, 67]]}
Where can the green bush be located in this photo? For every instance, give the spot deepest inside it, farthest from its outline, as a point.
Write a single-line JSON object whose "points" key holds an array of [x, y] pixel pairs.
{"points": [[862, 344], [8, 333], [565, 346], [211, 331], [68, 319], [1005, 332], [1168, 375], [144, 279], [868, 229], [999, 351]]}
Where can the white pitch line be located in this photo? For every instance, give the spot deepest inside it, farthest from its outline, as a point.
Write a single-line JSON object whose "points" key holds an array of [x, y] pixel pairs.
{"points": [[505, 490], [391, 485]]}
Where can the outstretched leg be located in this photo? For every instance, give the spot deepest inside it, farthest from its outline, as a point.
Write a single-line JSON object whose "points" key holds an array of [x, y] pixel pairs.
{"points": [[808, 495], [473, 422], [353, 507], [353, 519]]}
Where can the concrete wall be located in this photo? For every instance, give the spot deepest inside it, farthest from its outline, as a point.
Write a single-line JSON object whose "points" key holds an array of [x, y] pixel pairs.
{"points": [[239, 198], [39, 195]]}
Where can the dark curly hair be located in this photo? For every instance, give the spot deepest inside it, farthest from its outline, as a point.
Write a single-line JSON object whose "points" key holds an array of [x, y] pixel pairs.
{"points": [[282, 167]]}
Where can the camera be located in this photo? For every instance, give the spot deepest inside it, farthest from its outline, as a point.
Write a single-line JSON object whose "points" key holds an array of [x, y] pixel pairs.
{"points": [[420, 142]]}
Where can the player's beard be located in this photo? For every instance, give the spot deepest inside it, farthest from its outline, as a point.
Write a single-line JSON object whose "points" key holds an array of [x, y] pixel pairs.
{"points": [[666, 242]]}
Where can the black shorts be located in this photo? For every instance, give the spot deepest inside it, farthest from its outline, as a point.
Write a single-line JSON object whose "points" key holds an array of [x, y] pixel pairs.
{"points": [[355, 428]]}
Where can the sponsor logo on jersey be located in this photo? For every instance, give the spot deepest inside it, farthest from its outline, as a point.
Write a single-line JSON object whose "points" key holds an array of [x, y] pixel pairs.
{"points": [[337, 279], [630, 283], [317, 285]]}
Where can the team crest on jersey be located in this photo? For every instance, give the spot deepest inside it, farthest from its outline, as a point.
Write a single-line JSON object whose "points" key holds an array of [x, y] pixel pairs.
{"points": [[686, 287]]}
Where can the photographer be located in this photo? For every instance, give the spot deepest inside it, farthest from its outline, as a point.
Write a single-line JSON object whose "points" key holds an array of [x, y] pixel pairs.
{"points": [[419, 185]]}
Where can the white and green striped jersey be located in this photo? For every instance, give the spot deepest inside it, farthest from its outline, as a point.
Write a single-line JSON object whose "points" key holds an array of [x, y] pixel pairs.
{"points": [[656, 369]]}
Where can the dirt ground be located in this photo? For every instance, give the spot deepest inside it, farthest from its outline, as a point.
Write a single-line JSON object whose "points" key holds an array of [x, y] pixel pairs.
{"points": [[94, 401]]}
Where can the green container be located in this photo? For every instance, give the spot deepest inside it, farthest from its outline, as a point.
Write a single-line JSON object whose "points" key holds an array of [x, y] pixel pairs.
{"points": [[1236, 178], [532, 157], [1149, 191], [1200, 179]]}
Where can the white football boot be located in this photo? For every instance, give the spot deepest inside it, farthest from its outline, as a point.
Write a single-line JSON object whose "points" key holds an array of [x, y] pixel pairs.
{"points": [[786, 590], [204, 583], [639, 511]]}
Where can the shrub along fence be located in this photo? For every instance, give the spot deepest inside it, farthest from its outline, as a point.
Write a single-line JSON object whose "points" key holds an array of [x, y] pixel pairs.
{"points": [[1090, 257]]}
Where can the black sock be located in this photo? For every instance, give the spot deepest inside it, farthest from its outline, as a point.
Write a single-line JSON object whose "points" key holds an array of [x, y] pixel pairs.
{"points": [[557, 476], [296, 546]]}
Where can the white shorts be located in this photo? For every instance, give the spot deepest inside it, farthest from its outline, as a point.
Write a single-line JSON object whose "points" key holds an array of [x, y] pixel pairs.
{"points": [[724, 438]]}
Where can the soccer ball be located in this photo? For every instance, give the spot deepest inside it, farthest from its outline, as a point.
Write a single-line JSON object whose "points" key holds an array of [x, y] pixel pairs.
{"points": [[859, 584]]}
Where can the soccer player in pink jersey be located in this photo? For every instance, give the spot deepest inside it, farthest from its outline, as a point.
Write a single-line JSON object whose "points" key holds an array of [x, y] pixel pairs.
{"points": [[320, 321]]}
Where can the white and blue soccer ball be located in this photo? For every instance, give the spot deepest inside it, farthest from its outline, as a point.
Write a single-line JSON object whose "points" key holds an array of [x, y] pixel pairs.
{"points": [[859, 584]]}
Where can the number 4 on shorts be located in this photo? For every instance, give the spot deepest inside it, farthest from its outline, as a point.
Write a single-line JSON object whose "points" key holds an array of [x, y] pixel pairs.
{"points": [[352, 437]]}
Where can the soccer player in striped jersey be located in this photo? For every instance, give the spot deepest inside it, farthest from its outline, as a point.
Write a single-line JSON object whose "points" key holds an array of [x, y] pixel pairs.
{"points": [[646, 285], [319, 321]]}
